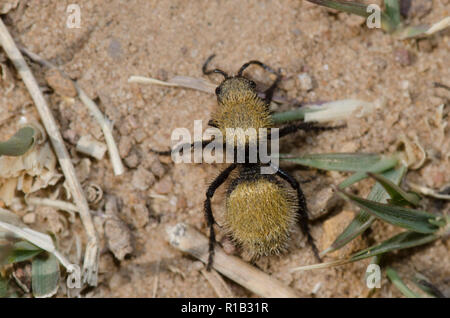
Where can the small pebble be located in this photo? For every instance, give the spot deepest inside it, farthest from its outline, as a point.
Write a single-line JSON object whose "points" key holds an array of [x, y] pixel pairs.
{"points": [[118, 237], [132, 160], [352, 20], [140, 135], [181, 203], [158, 169], [306, 83], [425, 46], [142, 179], [197, 266], [323, 202], [71, 136], [29, 218], [228, 246], [403, 57], [125, 145], [164, 186], [114, 49], [141, 215], [289, 84], [61, 84]]}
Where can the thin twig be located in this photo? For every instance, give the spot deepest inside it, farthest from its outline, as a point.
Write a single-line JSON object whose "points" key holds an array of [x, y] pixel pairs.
{"points": [[106, 126], [428, 191], [58, 204], [178, 81], [189, 240], [217, 283], [90, 266], [105, 123]]}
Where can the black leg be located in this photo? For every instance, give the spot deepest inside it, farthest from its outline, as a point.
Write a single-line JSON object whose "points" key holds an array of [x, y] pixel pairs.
{"points": [[437, 84], [311, 126], [264, 66], [208, 212], [180, 148], [302, 210], [268, 93], [205, 66], [212, 124]]}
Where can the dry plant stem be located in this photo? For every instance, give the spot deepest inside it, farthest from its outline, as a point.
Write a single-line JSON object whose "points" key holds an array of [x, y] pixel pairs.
{"points": [[104, 123], [90, 266], [189, 240], [106, 126], [217, 283], [58, 204]]}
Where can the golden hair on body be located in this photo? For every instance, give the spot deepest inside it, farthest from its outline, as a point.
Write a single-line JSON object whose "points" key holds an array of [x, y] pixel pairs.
{"points": [[260, 213], [261, 209]]}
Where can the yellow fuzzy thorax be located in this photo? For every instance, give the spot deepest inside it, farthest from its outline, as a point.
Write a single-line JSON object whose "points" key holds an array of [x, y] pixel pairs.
{"points": [[260, 215], [243, 109]]}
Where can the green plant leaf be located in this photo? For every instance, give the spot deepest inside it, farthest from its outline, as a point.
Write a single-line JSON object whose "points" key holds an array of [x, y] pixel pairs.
{"points": [[22, 251], [361, 162], [44, 275], [397, 194], [393, 12], [383, 164], [18, 144], [357, 8], [400, 241], [411, 31], [363, 219], [411, 219], [426, 286], [398, 282], [291, 115]]}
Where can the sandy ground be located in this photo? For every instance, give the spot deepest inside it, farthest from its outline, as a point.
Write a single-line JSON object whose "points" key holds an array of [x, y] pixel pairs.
{"points": [[162, 39]]}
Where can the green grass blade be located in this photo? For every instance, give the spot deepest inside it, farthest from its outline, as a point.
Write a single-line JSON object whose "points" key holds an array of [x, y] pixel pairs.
{"points": [[359, 9], [400, 241], [23, 251], [393, 12], [363, 220], [338, 161], [291, 115], [383, 164], [397, 194], [18, 144], [44, 276], [411, 219], [346, 6], [411, 31], [397, 281], [426, 286]]}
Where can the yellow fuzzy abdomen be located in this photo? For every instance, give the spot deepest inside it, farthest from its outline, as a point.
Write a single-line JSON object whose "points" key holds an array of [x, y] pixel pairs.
{"points": [[260, 215], [245, 110]]}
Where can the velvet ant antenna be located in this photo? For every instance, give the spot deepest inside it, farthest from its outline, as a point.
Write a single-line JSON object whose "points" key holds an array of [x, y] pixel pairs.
{"points": [[216, 70]]}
